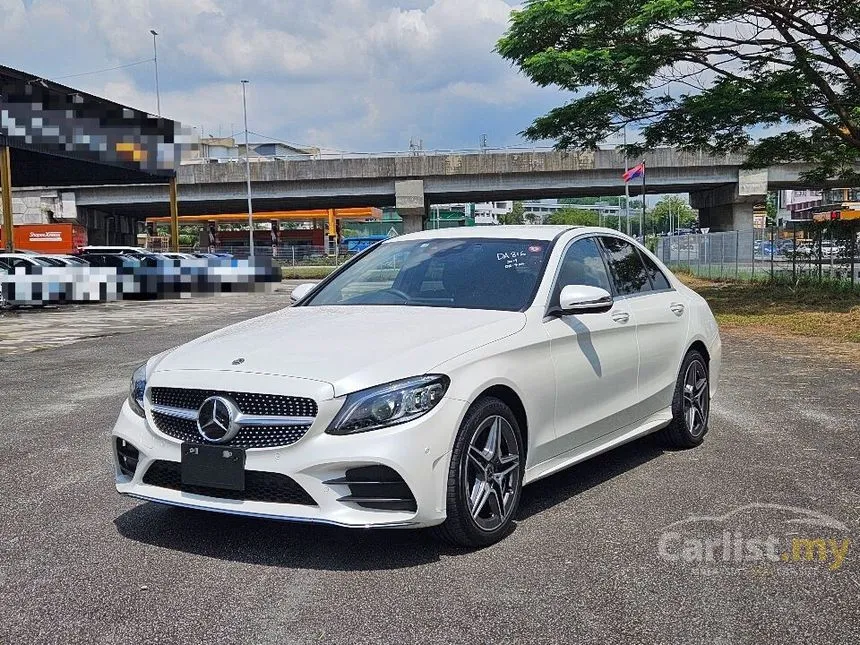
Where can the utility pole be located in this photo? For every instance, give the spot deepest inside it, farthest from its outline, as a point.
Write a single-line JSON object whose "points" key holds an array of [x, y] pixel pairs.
{"points": [[626, 187], [670, 218], [155, 60], [6, 188], [248, 173]]}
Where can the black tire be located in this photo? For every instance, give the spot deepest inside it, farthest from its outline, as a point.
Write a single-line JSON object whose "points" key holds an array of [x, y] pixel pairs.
{"points": [[679, 434], [461, 528]]}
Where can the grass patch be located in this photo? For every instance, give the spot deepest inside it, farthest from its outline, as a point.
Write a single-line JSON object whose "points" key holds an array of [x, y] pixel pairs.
{"points": [[783, 309], [303, 273]]}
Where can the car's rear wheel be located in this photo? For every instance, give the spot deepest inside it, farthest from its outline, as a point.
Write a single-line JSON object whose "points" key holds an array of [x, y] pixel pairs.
{"points": [[691, 404], [485, 476]]}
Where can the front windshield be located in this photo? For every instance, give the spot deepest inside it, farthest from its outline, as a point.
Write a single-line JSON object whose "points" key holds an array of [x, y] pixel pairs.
{"points": [[464, 273]]}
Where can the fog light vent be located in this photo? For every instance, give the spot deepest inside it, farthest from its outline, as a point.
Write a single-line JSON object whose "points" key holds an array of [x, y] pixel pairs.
{"points": [[127, 456], [378, 487]]}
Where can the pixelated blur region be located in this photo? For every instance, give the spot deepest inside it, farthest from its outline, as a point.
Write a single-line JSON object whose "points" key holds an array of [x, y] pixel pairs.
{"points": [[164, 279], [44, 117]]}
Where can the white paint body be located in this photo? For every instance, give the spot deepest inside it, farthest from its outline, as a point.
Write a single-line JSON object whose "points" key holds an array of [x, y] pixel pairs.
{"points": [[588, 383]]}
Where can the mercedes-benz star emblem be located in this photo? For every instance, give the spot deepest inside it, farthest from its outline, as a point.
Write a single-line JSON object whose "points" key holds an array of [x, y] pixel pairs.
{"points": [[216, 419]]}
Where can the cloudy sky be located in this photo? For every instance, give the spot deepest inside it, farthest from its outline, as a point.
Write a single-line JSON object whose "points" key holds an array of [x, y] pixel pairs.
{"points": [[353, 75]]}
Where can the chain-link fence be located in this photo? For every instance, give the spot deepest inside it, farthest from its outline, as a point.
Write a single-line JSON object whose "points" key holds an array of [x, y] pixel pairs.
{"points": [[765, 254], [290, 255]]}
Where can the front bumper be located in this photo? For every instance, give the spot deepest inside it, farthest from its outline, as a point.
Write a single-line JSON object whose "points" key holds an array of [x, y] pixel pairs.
{"points": [[419, 451]]}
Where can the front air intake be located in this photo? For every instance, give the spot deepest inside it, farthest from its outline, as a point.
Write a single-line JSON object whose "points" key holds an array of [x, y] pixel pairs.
{"points": [[260, 486], [378, 487], [127, 457]]}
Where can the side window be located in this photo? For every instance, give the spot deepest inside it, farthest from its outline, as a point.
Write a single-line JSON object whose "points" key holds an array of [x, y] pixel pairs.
{"points": [[658, 280], [627, 269], [581, 264]]}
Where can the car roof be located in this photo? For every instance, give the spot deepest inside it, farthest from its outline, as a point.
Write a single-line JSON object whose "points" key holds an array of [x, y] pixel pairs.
{"points": [[505, 232]]}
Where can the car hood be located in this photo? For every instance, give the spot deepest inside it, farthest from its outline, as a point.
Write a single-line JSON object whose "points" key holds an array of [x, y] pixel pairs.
{"points": [[349, 347]]}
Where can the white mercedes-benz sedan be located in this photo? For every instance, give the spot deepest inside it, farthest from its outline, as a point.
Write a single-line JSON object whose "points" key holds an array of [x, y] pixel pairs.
{"points": [[425, 382]]}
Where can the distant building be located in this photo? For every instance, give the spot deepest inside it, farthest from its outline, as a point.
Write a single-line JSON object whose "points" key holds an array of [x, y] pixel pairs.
{"points": [[215, 149], [488, 212], [799, 200], [539, 211], [534, 211]]}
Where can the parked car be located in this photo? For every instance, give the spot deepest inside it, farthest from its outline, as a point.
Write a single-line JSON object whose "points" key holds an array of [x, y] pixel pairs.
{"points": [[785, 247], [64, 260], [831, 249], [801, 248], [126, 250], [509, 353], [116, 260], [5, 270], [15, 260]]}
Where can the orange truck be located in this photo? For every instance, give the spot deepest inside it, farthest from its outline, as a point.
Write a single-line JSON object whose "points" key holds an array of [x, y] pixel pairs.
{"points": [[48, 239]]}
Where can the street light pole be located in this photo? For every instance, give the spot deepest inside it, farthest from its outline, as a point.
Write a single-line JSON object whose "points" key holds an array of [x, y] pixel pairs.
{"points": [[626, 187], [248, 173], [155, 60]]}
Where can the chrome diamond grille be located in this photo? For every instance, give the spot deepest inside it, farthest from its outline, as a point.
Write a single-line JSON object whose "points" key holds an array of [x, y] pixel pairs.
{"points": [[247, 402], [261, 436]]}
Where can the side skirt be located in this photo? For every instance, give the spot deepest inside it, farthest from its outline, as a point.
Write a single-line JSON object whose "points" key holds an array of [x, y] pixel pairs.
{"points": [[603, 444]]}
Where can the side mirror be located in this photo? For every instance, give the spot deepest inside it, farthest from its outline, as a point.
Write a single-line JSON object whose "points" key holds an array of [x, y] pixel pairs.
{"points": [[301, 291], [583, 299]]}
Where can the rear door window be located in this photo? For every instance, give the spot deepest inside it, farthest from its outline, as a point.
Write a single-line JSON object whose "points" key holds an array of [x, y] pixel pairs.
{"points": [[625, 265], [659, 282]]}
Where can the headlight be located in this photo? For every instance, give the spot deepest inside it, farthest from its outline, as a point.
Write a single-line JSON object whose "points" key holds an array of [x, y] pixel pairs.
{"points": [[389, 404], [136, 389]]}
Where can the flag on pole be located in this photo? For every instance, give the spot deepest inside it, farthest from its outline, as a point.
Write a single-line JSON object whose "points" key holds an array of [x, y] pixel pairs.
{"points": [[636, 171]]}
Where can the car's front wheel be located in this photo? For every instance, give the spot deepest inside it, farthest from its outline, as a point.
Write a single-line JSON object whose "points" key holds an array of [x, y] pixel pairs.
{"points": [[485, 476]]}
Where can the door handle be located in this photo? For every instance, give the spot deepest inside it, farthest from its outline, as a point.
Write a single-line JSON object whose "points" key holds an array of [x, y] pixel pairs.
{"points": [[621, 317], [677, 308]]}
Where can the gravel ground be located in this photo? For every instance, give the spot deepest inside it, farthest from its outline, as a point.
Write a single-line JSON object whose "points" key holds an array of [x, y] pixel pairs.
{"points": [[80, 564]]}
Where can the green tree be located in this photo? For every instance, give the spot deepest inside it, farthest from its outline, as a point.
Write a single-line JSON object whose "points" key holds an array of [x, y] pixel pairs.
{"points": [[700, 74], [772, 210], [682, 215], [515, 216], [573, 216]]}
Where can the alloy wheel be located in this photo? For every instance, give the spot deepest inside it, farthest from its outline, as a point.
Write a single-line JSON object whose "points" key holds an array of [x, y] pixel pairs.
{"points": [[696, 401], [492, 473]]}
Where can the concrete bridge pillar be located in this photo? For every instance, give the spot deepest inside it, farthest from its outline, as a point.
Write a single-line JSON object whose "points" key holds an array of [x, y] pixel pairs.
{"points": [[725, 209], [409, 202]]}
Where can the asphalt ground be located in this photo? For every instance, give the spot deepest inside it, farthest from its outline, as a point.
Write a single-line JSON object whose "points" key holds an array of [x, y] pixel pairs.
{"points": [[81, 564]]}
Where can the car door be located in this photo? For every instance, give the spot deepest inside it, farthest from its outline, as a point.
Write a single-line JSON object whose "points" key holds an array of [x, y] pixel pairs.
{"points": [[661, 321], [595, 355]]}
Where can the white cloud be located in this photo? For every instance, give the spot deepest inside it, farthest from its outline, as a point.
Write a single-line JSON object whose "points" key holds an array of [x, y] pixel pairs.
{"points": [[349, 74]]}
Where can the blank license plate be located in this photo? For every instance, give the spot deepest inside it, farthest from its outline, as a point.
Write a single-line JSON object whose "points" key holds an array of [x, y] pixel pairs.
{"points": [[213, 466]]}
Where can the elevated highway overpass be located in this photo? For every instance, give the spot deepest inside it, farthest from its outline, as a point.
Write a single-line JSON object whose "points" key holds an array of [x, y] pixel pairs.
{"points": [[723, 192]]}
